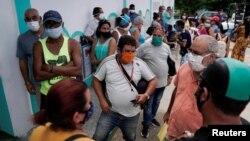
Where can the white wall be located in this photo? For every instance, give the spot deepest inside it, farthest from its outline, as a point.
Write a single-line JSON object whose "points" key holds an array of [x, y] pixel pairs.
{"points": [[16, 95]]}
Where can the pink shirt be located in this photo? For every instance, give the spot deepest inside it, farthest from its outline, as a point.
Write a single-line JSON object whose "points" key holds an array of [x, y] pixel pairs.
{"points": [[184, 113]]}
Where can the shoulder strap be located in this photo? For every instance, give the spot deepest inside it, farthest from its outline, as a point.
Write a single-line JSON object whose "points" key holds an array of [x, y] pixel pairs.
{"points": [[126, 74], [73, 137]]}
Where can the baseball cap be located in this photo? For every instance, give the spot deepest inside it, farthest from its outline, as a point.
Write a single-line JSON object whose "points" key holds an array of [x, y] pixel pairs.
{"points": [[228, 77], [52, 15], [215, 18]]}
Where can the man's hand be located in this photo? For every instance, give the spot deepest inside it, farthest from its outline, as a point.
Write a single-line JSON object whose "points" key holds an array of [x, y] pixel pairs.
{"points": [[30, 88], [141, 98], [170, 78], [105, 106], [166, 117]]}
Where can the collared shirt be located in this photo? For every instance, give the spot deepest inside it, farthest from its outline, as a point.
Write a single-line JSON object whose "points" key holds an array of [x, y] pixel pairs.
{"points": [[184, 113], [91, 27], [120, 91]]}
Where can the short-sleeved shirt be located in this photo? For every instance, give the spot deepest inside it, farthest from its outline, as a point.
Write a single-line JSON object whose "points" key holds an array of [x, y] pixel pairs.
{"points": [[185, 36], [91, 27], [118, 88], [184, 113], [25, 49], [156, 59]]}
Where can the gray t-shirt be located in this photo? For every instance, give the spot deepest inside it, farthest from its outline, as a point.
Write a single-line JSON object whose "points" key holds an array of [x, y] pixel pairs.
{"points": [[118, 87], [156, 59], [25, 49]]}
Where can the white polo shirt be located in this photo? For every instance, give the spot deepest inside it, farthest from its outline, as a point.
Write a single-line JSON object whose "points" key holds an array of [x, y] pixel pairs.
{"points": [[118, 87]]}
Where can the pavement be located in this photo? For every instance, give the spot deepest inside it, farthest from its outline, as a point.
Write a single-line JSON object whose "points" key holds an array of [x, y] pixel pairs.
{"points": [[91, 124]]}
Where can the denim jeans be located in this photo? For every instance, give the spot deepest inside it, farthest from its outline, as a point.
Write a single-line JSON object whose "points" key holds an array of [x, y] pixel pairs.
{"points": [[108, 121], [149, 113], [184, 59]]}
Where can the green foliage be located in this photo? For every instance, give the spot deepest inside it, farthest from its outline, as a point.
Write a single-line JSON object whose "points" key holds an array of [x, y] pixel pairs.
{"points": [[191, 6]]}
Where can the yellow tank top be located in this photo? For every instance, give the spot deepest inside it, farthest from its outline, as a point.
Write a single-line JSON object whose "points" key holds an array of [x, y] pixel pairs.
{"points": [[61, 59]]}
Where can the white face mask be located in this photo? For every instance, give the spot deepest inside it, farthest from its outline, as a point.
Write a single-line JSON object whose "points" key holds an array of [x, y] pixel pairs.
{"points": [[132, 11], [33, 25], [55, 32], [102, 16], [195, 62], [207, 25], [184, 17], [128, 27]]}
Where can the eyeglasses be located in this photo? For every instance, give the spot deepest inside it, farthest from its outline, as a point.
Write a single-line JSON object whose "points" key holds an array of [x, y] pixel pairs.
{"points": [[33, 18]]}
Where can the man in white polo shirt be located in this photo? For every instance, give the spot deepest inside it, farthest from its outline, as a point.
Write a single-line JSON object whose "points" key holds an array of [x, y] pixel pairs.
{"points": [[118, 107]]}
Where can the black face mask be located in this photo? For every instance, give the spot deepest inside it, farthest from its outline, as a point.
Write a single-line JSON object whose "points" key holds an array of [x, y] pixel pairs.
{"points": [[198, 93], [88, 113], [106, 35]]}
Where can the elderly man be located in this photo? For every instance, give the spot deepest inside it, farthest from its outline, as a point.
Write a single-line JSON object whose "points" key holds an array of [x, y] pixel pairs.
{"points": [[224, 92], [183, 111], [25, 48], [120, 101], [155, 53], [55, 57]]}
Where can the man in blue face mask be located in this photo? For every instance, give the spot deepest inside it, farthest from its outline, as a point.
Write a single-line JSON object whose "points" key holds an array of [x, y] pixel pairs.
{"points": [[55, 57], [24, 48], [155, 54]]}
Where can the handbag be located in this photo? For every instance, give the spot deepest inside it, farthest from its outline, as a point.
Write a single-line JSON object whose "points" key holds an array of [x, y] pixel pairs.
{"points": [[141, 87], [171, 67]]}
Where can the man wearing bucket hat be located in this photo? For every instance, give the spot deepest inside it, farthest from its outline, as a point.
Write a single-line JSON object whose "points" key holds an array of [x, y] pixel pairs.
{"points": [[223, 91], [123, 25], [55, 57]]}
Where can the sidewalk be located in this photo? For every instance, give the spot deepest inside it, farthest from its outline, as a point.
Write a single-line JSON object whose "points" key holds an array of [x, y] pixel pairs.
{"points": [[91, 124]]}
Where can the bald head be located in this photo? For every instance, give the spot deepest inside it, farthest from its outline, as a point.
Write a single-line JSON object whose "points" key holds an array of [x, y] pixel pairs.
{"points": [[207, 43], [31, 10]]}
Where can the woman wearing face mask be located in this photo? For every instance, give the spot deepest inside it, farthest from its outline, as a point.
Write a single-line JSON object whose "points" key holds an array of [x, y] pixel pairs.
{"points": [[184, 17], [123, 25], [68, 108], [104, 45]]}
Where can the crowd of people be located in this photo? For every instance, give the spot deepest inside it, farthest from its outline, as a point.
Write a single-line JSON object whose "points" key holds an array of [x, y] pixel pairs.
{"points": [[51, 66]]}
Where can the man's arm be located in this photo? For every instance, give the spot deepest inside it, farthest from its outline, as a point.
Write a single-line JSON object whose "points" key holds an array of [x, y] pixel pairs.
{"points": [[23, 64], [167, 114], [97, 85], [39, 72], [76, 68], [141, 98]]}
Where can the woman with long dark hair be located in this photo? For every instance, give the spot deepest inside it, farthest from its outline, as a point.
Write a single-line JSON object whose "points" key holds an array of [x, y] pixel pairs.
{"points": [[104, 45]]}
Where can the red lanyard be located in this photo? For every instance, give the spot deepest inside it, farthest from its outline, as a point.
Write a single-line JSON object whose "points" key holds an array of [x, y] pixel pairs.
{"points": [[131, 75]]}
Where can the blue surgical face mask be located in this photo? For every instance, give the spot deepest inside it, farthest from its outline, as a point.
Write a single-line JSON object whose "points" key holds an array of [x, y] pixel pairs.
{"points": [[88, 113], [54, 32]]}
